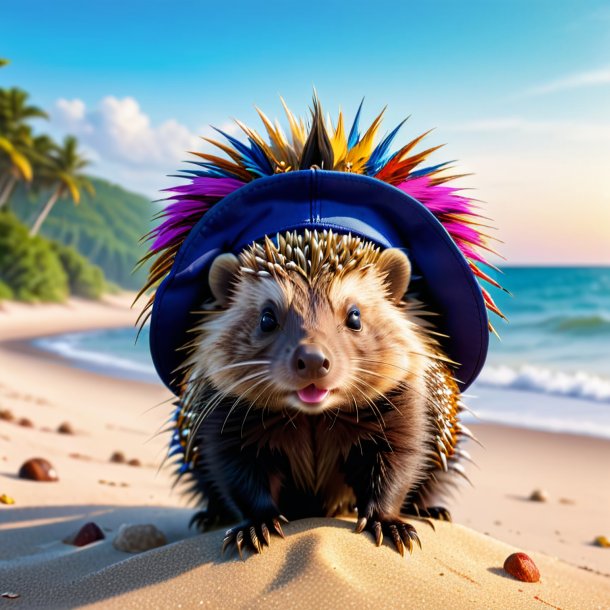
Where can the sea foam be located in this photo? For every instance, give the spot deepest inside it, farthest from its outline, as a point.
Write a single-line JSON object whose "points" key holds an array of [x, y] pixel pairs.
{"points": [[70, 346], [547, 381]]}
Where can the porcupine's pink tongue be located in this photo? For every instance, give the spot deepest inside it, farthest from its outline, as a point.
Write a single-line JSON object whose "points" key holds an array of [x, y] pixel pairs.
{"points": [[311, 394]]}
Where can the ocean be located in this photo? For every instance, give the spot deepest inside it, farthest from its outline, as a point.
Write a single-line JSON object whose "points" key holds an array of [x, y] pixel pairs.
{"points": [[556, 344]]}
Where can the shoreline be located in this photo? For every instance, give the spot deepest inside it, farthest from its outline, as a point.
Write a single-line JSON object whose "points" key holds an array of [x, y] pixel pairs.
{"points": [[484, 394], [26, 347], [108, 414]]}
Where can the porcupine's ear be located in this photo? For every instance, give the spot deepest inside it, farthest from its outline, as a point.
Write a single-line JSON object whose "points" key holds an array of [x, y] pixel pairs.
{"points": [[222, 276], [396, 267]]}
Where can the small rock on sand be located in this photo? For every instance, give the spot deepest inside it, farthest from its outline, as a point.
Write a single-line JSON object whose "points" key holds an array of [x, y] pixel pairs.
{"points": [[6, 415], [25, 422], [118, 457], [134, 462], [6, 499], [602, 541], [89, 533], [539, 495], [138, 538], [38, 469], [522, 567], [65, 428]]}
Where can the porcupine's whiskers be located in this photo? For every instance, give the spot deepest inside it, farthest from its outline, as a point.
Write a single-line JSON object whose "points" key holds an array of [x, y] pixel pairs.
{"points": [[374, 408], [217, 397], [265, 380], [372, 387], [402, 382], [415, 390], [267, 385], [195, 384], [226, 367], [212, 403], [400, 368], [461, 428]]}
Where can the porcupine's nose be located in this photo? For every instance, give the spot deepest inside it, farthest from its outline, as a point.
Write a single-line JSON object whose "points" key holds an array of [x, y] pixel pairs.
{"points": [[310, 361]]}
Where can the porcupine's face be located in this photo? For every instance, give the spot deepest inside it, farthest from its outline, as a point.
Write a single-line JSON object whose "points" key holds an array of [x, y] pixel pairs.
{"points": [[326, 340]]}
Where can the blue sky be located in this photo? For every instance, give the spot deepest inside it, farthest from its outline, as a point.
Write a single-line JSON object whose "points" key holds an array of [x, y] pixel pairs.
{"points": [[520, 90]]}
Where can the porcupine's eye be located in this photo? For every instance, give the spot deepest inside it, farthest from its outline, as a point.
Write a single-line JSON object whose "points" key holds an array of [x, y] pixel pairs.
{"points": [[268, 321], [353, 319]]}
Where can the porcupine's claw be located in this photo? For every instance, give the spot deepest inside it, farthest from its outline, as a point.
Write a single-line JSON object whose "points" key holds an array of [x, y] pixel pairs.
{"points": [[403, 534], [439, 512], [253, 535], [202, 520]]}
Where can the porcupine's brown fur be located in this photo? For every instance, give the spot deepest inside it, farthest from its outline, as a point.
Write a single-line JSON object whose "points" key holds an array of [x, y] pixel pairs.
{"points": [[385, 438]]}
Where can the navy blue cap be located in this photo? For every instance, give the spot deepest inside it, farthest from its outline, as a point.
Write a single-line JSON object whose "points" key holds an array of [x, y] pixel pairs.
{"points": [[345, 203]]}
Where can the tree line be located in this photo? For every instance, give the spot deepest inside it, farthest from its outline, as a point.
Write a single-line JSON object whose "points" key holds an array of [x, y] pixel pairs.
{"points": [[36, 160], [33, 268]]}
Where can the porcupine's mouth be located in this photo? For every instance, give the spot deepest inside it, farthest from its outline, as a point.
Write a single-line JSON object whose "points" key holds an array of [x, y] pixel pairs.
{"points": [[312, 395]]}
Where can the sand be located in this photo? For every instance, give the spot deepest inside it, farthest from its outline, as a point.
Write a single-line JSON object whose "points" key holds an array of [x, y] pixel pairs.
{"points": [[322, 563]]}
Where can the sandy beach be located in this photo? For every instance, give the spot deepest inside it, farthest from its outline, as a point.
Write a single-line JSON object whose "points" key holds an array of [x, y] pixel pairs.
{"points": [[322, 563]]}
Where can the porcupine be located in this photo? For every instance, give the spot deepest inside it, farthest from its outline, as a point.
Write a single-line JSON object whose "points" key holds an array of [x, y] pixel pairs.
{"points": [[314, 381], [316, 389]]}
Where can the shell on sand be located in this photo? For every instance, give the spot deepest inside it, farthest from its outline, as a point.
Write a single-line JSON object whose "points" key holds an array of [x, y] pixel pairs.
{"points": [[138, 538]]}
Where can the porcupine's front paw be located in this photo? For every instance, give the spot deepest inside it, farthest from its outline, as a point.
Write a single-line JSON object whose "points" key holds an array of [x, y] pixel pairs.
{"points": [[253, 534], [402, 534]]}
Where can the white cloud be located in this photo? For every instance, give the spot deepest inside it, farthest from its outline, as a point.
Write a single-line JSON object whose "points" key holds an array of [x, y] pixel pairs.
{"points": [[118, 131], [572, 81], [71, 110], [126, 147]]}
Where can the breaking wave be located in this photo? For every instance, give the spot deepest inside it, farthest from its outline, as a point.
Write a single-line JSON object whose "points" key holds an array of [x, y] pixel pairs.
{"points": [[546, 381]]}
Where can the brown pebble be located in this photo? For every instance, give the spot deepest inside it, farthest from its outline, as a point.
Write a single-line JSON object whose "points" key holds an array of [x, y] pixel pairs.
{"points": [[38, 469], [6, 499], [134, 462], [6, 415], [602, 541], [539, 495], [25, 422], [522, 567], [65, 428], [138, 538], [118, 457], [89, 533], [566, 501]]}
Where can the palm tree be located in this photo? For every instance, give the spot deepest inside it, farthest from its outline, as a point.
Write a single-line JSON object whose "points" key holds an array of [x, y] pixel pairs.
{"points": [[15, 164], [15, 139], [63, 170]]}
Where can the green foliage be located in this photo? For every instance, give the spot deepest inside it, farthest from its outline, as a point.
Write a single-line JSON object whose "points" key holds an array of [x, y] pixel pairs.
{"points": [[105, 228], [28, 265], [84, 279], [36, 269], [5, 291]]}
